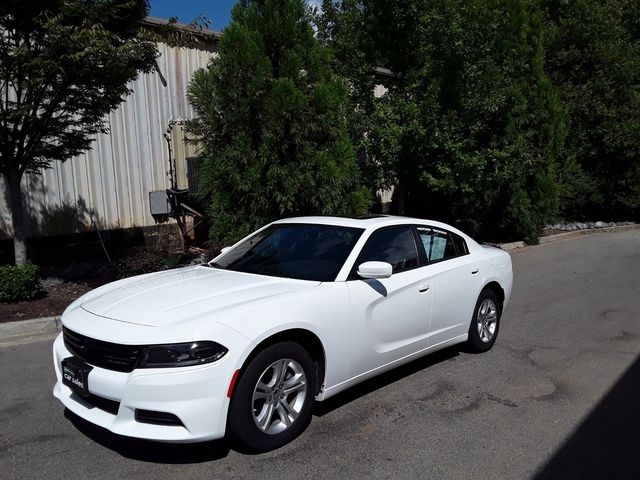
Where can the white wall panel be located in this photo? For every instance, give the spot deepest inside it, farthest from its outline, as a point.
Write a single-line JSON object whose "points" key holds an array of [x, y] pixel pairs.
{"points": [[111, 181]]}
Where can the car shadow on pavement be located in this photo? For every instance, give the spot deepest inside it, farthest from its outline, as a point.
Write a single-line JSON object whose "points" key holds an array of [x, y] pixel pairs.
{"points": [[147, 450], [360, 390], [607, 443], [160, 452]]}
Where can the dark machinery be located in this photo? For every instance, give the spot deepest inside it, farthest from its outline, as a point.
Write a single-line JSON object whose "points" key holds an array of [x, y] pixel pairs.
{"points": [[183, 203]]}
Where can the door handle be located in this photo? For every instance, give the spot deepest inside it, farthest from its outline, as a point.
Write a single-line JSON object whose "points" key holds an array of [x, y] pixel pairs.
{"points": [[475, 270], [424, 288]]}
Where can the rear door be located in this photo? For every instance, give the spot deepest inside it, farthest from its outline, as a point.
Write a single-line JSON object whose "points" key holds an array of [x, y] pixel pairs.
{"points": [[455, 281]]}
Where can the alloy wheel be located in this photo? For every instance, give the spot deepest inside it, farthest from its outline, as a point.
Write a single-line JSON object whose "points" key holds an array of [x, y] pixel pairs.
{"points": [[278, 396], [487, 320]]}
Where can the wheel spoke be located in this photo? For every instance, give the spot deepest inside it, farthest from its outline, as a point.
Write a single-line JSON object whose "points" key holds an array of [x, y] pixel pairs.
{"points": [[260, 395], [489, 334], [280, 371], [265, 421], [295, 387], [268, 379], [284, 415], [294, 379], [262, 387], [290, 412]]}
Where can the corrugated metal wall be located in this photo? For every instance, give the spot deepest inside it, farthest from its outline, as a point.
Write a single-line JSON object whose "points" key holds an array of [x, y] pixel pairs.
{"points": [[109, 185]]}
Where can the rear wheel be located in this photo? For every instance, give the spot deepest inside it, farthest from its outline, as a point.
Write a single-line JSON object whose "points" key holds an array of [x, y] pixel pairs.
{"points": [[272, 401], [485, 322]]}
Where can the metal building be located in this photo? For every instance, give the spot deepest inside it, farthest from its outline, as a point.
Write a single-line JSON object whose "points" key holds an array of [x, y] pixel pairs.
{"points": [[108, 186]]}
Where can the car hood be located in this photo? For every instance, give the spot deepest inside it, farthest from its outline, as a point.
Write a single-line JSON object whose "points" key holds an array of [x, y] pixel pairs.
{"points": [[165, 298]]}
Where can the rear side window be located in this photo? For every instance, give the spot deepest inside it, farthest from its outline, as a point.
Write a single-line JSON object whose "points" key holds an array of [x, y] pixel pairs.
{"points": [[440, 244], [396, 246], [461, 245]]}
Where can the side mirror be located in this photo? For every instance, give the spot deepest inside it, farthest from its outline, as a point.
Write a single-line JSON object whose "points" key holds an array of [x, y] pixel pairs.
{"points": [[375, 270], [225, 249]]}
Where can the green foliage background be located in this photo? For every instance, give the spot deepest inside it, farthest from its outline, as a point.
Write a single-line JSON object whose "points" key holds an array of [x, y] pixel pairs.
{"points": [[471, 126], [500, 115], [593, 57], [272, 121]]}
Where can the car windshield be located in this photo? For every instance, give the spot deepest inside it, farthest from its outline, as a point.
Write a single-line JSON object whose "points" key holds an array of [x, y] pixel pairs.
{"points": [[300, 251]]}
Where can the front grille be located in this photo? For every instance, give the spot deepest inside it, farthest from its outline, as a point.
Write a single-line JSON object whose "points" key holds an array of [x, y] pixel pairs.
{"points": [[111, 356]]}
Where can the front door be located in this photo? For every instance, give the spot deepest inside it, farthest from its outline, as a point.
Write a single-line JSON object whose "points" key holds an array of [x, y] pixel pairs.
{"points": [[392, 314]]}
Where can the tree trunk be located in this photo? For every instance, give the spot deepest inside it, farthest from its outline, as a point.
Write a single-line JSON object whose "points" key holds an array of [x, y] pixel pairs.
{"points": [[17, 217], [400, 197]]}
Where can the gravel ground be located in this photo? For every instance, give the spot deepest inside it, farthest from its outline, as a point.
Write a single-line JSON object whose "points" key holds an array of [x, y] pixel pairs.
{"points": [[571, 226]]}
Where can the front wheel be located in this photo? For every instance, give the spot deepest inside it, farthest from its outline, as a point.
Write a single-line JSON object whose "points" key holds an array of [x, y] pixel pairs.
{"points": [[485, 322], [272, 401]]}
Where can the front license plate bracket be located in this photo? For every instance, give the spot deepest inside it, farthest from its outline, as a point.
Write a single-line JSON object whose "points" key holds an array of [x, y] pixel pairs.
{"points": [[75, 375]]}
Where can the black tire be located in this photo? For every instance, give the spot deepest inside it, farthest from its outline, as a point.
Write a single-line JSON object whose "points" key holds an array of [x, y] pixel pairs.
{"points": [[242, 427], [475, 341]]}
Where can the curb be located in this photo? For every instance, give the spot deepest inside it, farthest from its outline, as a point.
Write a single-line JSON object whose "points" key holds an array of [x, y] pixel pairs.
{"points": [[15, 331], [507, 247], [568, 235]]}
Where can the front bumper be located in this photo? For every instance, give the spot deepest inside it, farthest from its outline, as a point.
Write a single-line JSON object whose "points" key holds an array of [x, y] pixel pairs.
{"points": [[196, 395]]}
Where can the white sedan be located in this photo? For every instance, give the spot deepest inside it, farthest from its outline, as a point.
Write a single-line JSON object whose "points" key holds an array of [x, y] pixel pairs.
{"points": [[298, 311]]}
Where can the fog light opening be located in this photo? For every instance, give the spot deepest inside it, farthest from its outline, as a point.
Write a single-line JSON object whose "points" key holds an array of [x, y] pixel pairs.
{"points": [[157, 418]]}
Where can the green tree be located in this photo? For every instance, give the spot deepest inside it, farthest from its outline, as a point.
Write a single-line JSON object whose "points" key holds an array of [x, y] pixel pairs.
{"points": [[272, 123], [64, 64], [593, 55], [471, 129]]}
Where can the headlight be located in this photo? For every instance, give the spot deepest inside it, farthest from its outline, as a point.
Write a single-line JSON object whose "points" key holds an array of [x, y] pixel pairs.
{"points": [[181, 354]]}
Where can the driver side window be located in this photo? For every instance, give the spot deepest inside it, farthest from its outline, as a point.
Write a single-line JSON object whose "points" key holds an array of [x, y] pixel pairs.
{"points": [[396, 246]]}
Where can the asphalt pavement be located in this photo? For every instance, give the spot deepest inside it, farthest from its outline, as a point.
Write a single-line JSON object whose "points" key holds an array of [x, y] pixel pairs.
{"points": [[558, 397]]}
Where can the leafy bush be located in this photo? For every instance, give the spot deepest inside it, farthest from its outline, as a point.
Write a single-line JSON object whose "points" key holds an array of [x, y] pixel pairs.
{"points": [[470, 128], [593, 56], [140, 260], [173, 259], [272, 124], [20, 282]]}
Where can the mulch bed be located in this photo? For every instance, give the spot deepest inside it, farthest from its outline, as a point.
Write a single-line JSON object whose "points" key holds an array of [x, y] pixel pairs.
{"points": [[53, 300], [63, 285]]}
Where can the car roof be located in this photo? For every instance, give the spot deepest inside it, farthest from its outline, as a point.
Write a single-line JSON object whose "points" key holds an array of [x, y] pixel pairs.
{"points": [[371, 221]]}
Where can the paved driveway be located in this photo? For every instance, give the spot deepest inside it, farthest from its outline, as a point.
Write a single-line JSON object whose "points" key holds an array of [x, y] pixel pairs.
{"points": [[557, 397]]}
